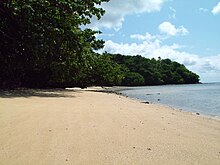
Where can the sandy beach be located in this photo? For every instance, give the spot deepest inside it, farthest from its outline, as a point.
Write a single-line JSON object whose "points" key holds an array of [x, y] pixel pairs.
{"points": [[56, 127]]}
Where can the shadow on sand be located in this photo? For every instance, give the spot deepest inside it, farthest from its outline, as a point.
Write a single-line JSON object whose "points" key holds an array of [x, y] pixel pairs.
{"points": [[60, 93]]}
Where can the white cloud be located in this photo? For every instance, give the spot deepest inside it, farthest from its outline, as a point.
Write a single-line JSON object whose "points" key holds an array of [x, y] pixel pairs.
{"points": [[170, 29], [116, 10], [147, 36], [203, 9], [216, 9], [173, 15], [166, 28], [105, 34], [207, 67], [172, 9]]}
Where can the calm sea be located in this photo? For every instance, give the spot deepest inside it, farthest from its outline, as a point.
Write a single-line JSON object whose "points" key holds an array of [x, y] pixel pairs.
{"points": [[202, 98]]}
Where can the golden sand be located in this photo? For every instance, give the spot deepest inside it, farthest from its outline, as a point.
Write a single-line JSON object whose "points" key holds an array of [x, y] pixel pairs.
{"points": [[83, 127]]}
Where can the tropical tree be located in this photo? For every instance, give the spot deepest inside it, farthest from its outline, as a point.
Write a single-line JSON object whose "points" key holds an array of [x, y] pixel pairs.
{"points": [[42, 42]]}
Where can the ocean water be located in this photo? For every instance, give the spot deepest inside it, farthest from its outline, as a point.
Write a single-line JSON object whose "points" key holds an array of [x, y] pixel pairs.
{"points": [[201, 98]]}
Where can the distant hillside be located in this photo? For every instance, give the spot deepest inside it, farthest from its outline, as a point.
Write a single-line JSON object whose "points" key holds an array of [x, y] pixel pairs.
{"points": [[142, 71]]}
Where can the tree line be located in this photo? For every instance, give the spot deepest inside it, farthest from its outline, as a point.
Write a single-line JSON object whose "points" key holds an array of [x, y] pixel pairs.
{"points": [[143, 71], [43, 45]]}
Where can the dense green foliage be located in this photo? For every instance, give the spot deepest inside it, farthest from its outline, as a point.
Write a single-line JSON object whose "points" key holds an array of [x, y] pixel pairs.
{"points": [[143, 71], [43, 44], [132, 79]]}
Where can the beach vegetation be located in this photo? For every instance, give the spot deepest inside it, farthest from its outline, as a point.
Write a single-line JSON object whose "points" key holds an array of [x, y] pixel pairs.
{"points": [[155, 72], [45, 44]]}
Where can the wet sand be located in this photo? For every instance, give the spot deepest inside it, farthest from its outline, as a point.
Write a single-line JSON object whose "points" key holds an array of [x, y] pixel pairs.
{"points": [[56, 127]]}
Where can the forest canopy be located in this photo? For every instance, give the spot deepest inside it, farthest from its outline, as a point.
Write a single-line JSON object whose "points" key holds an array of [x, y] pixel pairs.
{"points": [[42, 45], [144, 71]]}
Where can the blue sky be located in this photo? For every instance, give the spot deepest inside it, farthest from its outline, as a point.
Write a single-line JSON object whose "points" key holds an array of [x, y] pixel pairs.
{"points": [[187, 31]]}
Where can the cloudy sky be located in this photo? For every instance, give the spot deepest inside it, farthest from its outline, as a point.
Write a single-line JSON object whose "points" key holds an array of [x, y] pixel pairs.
{"points": [[187, 31]]}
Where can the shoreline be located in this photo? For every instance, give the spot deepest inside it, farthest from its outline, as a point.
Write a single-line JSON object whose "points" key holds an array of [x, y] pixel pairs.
{"points": [[86, 127], [117, 90]]}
